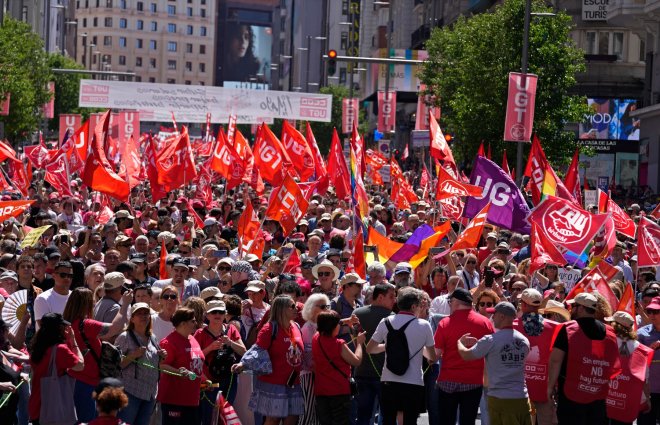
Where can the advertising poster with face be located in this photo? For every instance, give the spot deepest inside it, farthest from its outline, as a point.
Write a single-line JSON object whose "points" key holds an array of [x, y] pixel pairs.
{"points": [[247, 55]]}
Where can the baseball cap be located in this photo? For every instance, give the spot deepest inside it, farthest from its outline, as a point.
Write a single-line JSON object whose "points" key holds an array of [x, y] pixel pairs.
{"points": [[210, 292], [622, 318], [316, 232], [587, 300], [114, 280], [325, 216], [139, 306], [216, 305], [654, 304], [255, 286], [251, 258], [403, 267], [53, 320], [503, 307], [179, 262], [532, 297], [491, 235], [462, 294], [138, 258], [9, 275], [210, 221]]}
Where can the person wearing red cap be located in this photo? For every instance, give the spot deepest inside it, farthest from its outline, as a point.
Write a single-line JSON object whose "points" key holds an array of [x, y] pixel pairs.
{"points": [[649, 335]]}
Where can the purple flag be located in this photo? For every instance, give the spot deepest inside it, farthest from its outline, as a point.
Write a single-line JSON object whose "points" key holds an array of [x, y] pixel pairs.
{"points": [[508, 207], [411, 246]]}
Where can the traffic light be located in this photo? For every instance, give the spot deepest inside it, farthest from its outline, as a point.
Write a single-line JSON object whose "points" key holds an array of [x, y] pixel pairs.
{"points": [[449, 138], [332, 62]]}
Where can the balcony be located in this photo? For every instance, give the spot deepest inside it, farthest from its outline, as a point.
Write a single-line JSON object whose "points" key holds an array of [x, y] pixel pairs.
{"points": [[419, 37], [626, 12]]}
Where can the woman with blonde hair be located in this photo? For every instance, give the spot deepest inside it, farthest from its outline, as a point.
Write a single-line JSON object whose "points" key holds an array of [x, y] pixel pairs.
{"points": [[161, 322], [88, 334]]}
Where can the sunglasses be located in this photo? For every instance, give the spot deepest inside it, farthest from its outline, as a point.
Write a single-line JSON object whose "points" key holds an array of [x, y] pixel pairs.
{"points": [[652, 312], [324, 306], [485, 304], [170, 297], [224, 268], [224, 283], [65, 275], [322, 274]]}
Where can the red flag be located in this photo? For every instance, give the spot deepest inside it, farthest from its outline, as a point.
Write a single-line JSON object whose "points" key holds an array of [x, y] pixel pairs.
{"points": [[453, 208], [449, 187], [6, 151], [293, 263], [37, 154], [572, 180], [10, 209], [299, 151], [157, 190], [375, 160], [622, 221], [397, 197], [163, 261], [175, 163], [203, 184], [471, 236], [320, 171], [287, 205], [424, 179], [535, 169], [131, 165], [198, 220], [248, 227], [648, 243], [597, 281], [586, 183], [75, 163], [57, 174], [359, 262], [227, 162], [655, 213], [337, 168], [627, 302], [566, 224], [543, 251], [231, 129], [505, 163], [439, 147], [481, 151], [270, 157], [404, 187], [98, 174], [405, 154], [19, 176]]}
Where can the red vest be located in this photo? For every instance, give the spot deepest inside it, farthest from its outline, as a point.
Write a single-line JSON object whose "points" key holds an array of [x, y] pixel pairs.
{"points": [[536, 363], [590, 365], [625, 392]]}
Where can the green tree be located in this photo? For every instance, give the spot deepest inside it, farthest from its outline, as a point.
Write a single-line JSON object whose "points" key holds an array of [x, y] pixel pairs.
{"points": [[24, 75], [67, 87], [468, 71]]}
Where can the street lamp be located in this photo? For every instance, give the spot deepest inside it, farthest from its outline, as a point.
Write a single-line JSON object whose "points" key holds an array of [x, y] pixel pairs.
{"points": [[389, 6], [308, 49]]}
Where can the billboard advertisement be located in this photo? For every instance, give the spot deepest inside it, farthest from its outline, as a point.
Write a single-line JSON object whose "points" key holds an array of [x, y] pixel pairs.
{"points": [[247, 53], [610, 119]]}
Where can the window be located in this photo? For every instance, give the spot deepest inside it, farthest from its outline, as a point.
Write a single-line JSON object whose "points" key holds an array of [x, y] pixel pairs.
{"points": [[138, 79], [189, 30], [98, 3], [171, 64], [171, 81], [153, 8], [171, 9], [84, 23], [152, 80], [605, 43], [154, 26], [138, 62], [202, 67], [617, 45], [202, 31], [202, 2], [202, 13], [108, 22], [95, 41], [138, 43], [107, 40], [202, 83], [107, 59], [140, 6], [590, 48], [122, 60], [202, 49], [95, 22], [86, 4], [122, 4], [77, 4], [108, 4], [344, 7], [642, 50], [153, 45], [152, 63], [189, 12], [344, 41], [139, 24], [123, 23], [187, 82], [122, 41], [342, 76], [189, 48], [171, 28], [189, 66], [171, 46]]}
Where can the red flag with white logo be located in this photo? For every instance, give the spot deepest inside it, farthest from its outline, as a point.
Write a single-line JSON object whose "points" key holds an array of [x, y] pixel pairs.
{"points": [[57, 174], [287, 205], [439, 147], [248, 227], [37, 155], [543, 251], [299, 152], [566, 224], [597, 281], [471, 235], [131, 164], [19, 176], [349, 113], [157, 190], [10, 209], [227, 162], [449, 187], [270, 157], [337, 168], [622, 221], [648, 243], [175, 163]]}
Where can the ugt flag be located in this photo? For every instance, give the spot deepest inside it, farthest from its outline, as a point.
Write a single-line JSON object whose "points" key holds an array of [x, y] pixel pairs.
{"points": [[508, 208]]}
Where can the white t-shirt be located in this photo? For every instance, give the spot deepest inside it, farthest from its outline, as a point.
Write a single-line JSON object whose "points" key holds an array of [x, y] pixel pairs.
{"points": [[440, 305], [419, 335], [49, 302], [160, 327]]}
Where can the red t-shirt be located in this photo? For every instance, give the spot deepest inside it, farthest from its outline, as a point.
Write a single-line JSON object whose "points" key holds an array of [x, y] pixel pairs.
{"points": [[181, 352], [90, 374], [285, 352], [204, 338], [328, 381], [64, 359], [450, 329], [484, 252]]}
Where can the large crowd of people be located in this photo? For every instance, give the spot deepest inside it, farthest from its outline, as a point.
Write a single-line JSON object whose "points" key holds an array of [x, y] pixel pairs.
{"points": [[153, 318]]}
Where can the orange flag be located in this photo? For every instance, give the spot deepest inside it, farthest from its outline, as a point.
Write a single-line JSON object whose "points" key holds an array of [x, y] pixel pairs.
{"points": [[430, 242], [10, 209], [627, 302], [248, 227], [163, 261], [386, 247], [470, 237]]}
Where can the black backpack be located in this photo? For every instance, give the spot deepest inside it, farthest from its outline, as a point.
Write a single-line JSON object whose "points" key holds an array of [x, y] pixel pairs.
{"points": [[110, 360], [397, 353], [219, 365]]}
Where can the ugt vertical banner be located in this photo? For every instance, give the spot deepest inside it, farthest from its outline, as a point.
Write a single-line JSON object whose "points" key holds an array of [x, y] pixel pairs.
{"points": [[386, 111], [70, 123], [520, 107], [422, 115], [349, 114]]}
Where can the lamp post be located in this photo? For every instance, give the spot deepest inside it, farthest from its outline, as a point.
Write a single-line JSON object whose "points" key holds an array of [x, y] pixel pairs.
{"points": [[388, 33], [309, 53]]}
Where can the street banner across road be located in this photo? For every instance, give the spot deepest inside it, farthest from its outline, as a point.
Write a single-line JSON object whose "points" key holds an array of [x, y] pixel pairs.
{"points": [[190, 104]]}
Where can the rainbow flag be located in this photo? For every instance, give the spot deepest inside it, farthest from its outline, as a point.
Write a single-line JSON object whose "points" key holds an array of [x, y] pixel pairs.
{"points": [[358, 193], [549, 186]]}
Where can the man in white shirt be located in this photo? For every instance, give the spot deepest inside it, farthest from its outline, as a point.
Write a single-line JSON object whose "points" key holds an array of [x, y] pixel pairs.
{"points": [[54, 299]]}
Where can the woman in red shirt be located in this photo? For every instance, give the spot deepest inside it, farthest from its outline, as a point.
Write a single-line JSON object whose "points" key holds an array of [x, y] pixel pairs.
{"points": [[178, 389], [55, 333], [278, 396], [216, 335], [88, 332], [332, 367]]}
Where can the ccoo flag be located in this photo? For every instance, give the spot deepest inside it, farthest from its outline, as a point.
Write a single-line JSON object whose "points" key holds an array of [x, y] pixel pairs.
{"points": [[508, 207]]}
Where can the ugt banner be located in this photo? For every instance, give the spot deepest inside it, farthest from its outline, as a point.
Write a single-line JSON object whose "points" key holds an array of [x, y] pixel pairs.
{"points": [[70, 123], [520, 107], [386, 111], [349, 114]]}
